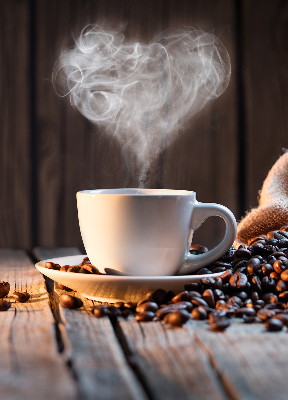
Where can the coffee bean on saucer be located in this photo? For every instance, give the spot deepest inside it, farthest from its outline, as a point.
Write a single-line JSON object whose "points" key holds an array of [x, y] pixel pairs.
{"points": [[177, 318], [21, 297], [145, 316], [51, 265], [74, 268], [4, 289], [71, 301]]}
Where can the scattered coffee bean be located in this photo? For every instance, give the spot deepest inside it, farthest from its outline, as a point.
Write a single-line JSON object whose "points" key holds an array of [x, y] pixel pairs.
{"points": [[274, 325], [177, 318], [147, 306], [4, 289], [144, 316], [4, 305], [220, 324], [199, 313], [21, 297], [71, 301]]}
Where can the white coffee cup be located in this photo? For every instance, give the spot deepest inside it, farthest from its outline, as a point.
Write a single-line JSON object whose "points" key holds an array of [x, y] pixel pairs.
{"points": [[147, 231]]}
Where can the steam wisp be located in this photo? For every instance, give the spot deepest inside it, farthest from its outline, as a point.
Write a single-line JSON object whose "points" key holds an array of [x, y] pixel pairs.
{"points": [[142, 94]]}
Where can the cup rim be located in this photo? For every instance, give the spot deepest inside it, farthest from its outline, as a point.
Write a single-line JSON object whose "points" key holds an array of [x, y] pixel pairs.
{"points": [[137, 192]]}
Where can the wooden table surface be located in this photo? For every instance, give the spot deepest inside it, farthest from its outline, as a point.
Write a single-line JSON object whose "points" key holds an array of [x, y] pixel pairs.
{"points": [[51, 352]]}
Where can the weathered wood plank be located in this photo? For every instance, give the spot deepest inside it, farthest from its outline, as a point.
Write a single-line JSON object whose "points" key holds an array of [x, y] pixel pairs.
{"points": [[31, 365], [15, 136], [94, 350], [254, 360], [265, 78], [172, 362]]}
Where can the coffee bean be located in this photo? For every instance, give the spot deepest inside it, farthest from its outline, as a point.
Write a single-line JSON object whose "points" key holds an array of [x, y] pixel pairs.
{"points": [[182, 296], [193, 294], [147, 306], [100, 311], [226, 276], [130, 305], [274, 325], [185, 305], [220, 324], [114, 312], [245, 311], [160, 296], [267, 269], [198, 249], [64, 268], [199, 302], [4, 289], [284, 275], [238, 280], [70, 301], [265, 314], [21, 297], [268, 284], [254, 296], [119, 304], [199, 313], [177, 318], [248, 319], [242, 295], [51, 265], [62, 287], [90, 269], [256, 284], [236, 300], [283, 296], [4, 305], [275, 276], [282, 317], [161, 312], [208, 296], [203, 271], [74, 268], [243, 253], [207, 282], [218, 294], [144, 316]]}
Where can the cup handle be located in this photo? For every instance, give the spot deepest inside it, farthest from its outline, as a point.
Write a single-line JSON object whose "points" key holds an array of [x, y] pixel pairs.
{"points": [[200, 212]]}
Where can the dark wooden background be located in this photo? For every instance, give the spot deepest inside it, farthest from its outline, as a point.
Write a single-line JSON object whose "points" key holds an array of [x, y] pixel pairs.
{"points": [[49, 151]]}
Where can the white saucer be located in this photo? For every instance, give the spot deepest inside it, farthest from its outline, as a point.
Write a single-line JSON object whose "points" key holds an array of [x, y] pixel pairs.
{"points": [[113, 288]]}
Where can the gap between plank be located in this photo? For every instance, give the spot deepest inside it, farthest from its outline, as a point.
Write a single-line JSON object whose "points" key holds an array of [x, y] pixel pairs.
{"points": [[227, 385]]}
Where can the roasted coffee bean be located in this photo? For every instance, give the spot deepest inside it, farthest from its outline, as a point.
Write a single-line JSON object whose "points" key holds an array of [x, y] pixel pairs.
{"points": [[4, 305], [282, 317], [222, 264], [258, 304], [144, 316], [248, 303], [203, 271], [252, 268], [100, 311], [217, 314], [130, 305], [258, 248], [226, 276], [220, 324], [207, 283], [258, 239], [199, 302], [177, 318], [71, 301], [226, 288], [114, 311], [284, 275], [240, 263], [243, 252], [268, 284], [275, 276], [282, 243], [85, 261], [256, 284], [242, 295], [193, 294], [91, 269], [21, 297], [198, 249], [208, 296], [245, 311], [283, 296], [161, 312], [65, 268], [272, 242], [219, 303], [236, 300], [147, 306], [216, 270], [199, 313], [271, 259], [230, 310], [266, 297], [267, 269], [218, 294], [254, 296], [238, 280], [145, 301], [119, 304], [265, 314], [4, 289], [51, 265], [273, 299], [278, 266], [182, 296], [274, 325], [160, 296]]}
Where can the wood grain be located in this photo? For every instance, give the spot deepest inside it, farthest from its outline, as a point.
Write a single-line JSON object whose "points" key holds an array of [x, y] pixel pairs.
{"points": [[15, 151], [254, 360], [171, 361], [93, 350], [265, 79], [30, 360]]}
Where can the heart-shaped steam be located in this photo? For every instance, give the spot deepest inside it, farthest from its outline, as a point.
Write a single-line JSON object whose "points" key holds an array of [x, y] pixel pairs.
{"points": [[143, 93]]}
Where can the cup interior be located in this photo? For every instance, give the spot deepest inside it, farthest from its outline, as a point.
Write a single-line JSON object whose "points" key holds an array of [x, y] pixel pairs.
{"points": [[138, 191]]}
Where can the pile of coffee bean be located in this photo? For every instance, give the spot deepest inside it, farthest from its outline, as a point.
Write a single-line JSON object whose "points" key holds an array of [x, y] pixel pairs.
{"points": [[253, 286], [85, 267], [21, 297]]}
